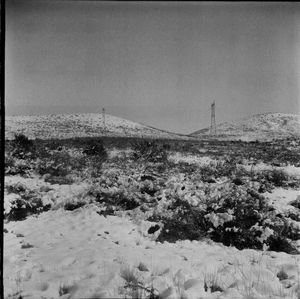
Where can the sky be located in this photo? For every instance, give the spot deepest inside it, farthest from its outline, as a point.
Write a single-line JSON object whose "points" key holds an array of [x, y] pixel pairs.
{"points": [[157, 63]]}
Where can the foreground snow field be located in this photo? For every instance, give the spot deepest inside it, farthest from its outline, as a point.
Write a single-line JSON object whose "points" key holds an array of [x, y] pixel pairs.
{"points": [[86, 251]]}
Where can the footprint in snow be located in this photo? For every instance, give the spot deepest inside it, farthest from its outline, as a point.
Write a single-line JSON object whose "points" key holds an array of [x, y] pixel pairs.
{"points": [[68, 261], [42, 286]]}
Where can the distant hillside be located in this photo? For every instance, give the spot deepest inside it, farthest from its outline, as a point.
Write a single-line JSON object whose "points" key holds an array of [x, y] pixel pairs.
{"points": [[265, 126], [80, 125]]}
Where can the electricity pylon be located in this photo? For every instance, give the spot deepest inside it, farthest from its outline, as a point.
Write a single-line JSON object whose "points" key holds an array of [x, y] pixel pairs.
{"points": [[213, 127]]}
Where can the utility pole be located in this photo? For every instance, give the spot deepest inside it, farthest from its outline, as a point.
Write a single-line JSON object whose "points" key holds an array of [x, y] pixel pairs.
{"points": [[213, 128], [103, 120]]}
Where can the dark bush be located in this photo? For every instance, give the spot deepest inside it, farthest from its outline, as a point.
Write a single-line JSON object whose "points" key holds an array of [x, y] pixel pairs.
{"points": [[278, 177], [71, 206], [296, 203], [22, 146], [61, 163], [95, 147], [58, 164], [60, 180], [281, 244], [247, 210], [186, 223]]}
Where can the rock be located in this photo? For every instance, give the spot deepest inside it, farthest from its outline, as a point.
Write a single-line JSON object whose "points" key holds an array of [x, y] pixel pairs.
{"points": [[238, 181], [153, 229]]}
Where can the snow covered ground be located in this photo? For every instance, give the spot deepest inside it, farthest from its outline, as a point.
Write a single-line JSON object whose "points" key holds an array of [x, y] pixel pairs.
{"points": [[82, 254], [190, 159], [80, 125], [262, 127], [290, 169]]}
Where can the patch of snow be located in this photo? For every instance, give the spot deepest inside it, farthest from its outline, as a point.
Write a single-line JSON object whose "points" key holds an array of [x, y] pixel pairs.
{"points": [[80, 125], [280, 199], [266, 126], [190, 159], [83, 253], [289, 170]]}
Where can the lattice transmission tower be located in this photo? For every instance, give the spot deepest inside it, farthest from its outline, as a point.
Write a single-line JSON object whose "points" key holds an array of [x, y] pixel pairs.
{"points": [[213, 127]]}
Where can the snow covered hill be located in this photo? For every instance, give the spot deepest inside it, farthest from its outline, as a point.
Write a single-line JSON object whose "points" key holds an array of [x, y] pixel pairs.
{"points": [[265, 126], [80, 125]]}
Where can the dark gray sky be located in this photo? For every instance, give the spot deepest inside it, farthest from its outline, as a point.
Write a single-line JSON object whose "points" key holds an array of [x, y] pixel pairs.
{"points": [[161, 64]]}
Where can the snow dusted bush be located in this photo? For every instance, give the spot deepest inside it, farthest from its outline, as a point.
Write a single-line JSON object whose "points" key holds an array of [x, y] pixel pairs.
{"points": [[296, 202], [149, 151], [20, 202], [234, 215], [15, 166], [59, 165], [221, 168], [220, 200]]}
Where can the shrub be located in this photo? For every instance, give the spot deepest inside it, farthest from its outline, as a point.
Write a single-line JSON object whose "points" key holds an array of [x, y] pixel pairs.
{"points": [[58, 164], [95, 166], [134, 287], [60, 180], [129, 275], [212, 282], [112, 201], [185, 222], [24, 204], [296, 203], [73, 205], [9, 162], [22, 146], [14, 166], [95, 148], [149, 151], [234, 215], [278, 177]]}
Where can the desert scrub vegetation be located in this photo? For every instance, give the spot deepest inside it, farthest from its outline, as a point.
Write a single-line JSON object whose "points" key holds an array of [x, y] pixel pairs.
{"points": [[134, 286], [149, 151], [220, 200], [55, 159], [63, 164], [95, 148], [21, 146], [16, 166], [235, 215], [21, 202], [19, 154]]}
